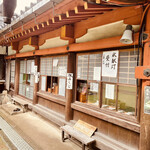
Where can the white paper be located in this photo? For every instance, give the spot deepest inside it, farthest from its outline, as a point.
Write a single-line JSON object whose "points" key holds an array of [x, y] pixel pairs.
{"points": [[36, 78], [35, 69], [55, 62], [94, 87], [109, 91], [62, 88], [97, 73], [62, 71], [43, 83], [79, 72], [69, 81], [110, 64], [32, 67]]}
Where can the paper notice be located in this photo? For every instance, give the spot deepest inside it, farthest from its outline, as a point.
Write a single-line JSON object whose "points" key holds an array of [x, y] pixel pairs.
{"points": [[43, 83], [97, 73], [62, 71], [94, 87], [109, 91], [110, 64], [55, 62], [69, 81], [62, 88]]}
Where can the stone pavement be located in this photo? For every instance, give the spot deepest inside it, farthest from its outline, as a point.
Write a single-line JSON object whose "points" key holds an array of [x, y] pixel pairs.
{"points": [[39, 133]]}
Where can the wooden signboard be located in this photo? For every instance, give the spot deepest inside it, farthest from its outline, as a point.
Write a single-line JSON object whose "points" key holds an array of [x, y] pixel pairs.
{"points": [[85, 128]]}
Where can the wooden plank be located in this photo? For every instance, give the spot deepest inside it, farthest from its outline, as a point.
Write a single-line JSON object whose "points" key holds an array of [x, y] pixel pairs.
{"points": [[85, 128], [111, 119]]}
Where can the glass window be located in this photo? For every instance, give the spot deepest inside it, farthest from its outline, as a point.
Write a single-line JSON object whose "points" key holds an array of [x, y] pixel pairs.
{"points": [[112, 92], [54, 74], [26, 81], [126, 100], [88, 78], [109, 96]]}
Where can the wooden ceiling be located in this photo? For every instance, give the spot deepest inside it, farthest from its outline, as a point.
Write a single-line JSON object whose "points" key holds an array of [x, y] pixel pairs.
{"points": [[81, 11]]}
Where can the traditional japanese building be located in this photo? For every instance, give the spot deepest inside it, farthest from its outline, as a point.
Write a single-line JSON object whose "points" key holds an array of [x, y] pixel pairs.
{"points": [[87, 60]]}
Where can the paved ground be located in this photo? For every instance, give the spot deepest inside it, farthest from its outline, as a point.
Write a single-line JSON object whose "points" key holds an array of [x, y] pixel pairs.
{"points": [[38, 132]]}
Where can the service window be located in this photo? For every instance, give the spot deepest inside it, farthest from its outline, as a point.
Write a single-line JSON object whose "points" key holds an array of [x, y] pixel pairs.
{"points": [[106, 79], [26, 81], [12, 73], [53, 72]]}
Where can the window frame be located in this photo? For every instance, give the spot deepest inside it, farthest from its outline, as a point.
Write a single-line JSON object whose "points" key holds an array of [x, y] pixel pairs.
{"points": [[26, 84], [52, 76], [134, 118]]}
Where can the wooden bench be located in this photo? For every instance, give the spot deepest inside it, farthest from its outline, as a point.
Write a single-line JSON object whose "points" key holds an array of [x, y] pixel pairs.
{"points": [[81, 131], [22, 103]]}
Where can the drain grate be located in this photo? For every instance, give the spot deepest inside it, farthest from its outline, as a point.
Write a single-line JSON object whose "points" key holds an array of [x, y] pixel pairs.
{"points": [[14, 137]]}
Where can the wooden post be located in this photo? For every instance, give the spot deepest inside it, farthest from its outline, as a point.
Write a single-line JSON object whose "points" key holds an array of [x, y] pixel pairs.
{"points": [[145, 118], [36, 85], [69, 93], [17, 71]]}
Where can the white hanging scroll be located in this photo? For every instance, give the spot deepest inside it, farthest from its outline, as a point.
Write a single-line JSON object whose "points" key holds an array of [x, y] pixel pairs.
{"points": [[110, 64]]}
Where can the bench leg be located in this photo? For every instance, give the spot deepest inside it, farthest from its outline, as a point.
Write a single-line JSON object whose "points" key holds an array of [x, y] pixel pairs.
{"points": [[83, 146], [63, 136]]}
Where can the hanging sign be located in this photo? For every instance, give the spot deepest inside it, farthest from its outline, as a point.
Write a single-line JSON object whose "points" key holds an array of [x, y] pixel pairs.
{"points": [[69, 81], [110, 64]]}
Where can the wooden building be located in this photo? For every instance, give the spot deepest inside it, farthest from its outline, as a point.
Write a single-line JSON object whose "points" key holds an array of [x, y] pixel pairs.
{"points": [[68, 63]]}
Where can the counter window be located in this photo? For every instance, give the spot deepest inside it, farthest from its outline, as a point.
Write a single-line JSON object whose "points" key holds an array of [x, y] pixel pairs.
{"points": [[53, 72], [107, 80]]}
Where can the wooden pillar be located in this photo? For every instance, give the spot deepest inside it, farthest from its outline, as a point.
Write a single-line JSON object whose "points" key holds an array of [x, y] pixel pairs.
{"points": [[70, 92], [36, 85], [145, 118], [17, 71]]}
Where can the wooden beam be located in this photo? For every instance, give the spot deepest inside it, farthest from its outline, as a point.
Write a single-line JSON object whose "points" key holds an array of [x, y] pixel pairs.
{"points": [[139, 72], [145, 117], [17, 74], [101, 44], [48, 35], [26, 54], [56, 50], [33, 41], [15, 45], [10, 57], [88, 6], [109, 17], [82, 10], [67, 32]]}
